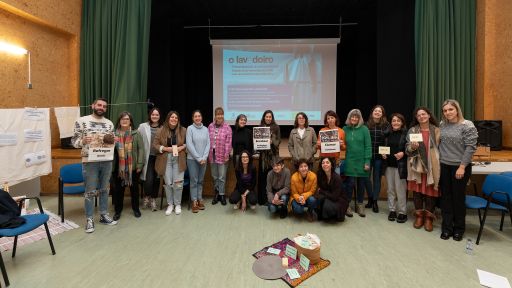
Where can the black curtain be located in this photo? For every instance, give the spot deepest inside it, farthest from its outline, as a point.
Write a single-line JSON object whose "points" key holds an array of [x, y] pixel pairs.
{"points": [[375, 60]]}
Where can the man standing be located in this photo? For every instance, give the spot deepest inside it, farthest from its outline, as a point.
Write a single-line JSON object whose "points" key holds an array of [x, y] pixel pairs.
{"points": [[95, 131]]}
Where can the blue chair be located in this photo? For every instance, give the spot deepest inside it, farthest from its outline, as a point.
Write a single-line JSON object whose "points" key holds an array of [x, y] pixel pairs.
{"points": [[31, 222], [70, 174], [508, 173], [498, 191]]}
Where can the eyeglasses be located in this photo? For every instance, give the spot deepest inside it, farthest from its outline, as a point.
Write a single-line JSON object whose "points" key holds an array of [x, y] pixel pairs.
{"points": [[125, 119], [245, 156]]}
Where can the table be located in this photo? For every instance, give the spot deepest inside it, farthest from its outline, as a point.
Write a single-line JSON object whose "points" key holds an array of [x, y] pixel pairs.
{"points": [[493, 168]]}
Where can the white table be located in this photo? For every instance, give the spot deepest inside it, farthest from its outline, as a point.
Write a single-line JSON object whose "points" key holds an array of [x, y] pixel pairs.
{"points": [[493, 168]]}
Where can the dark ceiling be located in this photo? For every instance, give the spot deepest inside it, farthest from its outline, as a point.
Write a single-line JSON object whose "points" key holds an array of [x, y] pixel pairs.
{"points": [[192, 14]]}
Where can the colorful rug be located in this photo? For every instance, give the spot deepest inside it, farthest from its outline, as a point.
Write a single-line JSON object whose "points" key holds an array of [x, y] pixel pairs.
{"points": [[54, 224], [313, 268]]}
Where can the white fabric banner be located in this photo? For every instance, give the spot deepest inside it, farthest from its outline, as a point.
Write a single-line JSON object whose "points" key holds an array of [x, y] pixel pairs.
{"points": [[66, 117], [25, 160]]}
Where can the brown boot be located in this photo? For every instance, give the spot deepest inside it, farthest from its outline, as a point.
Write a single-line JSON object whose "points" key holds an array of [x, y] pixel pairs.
{"points": [[195, 207], [420, 216], [429, 219], [200, 204]]}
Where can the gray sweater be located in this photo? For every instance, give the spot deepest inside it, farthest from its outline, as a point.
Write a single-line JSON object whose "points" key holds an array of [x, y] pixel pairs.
{"points": [[458, 143], [198, 142]]}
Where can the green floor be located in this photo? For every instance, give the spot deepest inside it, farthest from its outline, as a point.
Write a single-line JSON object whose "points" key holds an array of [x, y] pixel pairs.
{"points": [[213, 249]]}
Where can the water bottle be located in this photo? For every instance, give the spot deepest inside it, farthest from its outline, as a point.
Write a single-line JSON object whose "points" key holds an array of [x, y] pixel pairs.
{"points": [[469, 247]]}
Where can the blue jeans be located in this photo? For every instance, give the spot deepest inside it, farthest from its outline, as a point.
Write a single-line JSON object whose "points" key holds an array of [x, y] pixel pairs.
{"points": [[376, 166], [299, 209], [196, 173], [362, 182], [219, 176], [173, 179], [274, 208], [96, 180]]}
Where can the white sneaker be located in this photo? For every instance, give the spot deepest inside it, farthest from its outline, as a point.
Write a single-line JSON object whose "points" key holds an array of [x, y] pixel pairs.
{"points": [[253, 207], [169, 210], [177, 210], [237, 205], [89, 227]]}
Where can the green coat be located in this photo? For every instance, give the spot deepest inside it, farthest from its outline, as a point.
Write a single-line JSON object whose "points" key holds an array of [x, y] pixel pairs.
{"points": [[359, 150]]}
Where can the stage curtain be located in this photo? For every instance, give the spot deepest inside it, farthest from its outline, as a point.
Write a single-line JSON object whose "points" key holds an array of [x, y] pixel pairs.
{"points": [[445, 53], [114, 55]]}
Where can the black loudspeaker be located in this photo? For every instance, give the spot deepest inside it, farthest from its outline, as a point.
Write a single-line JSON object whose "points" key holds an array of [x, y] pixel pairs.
{"points": [[65, 143], [490, 133]]}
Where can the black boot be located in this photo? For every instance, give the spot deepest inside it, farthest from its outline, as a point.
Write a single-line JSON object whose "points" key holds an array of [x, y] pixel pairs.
{"points": [[215, 198], [375, 207], [223, 200], [369, 204], [283, 211]]}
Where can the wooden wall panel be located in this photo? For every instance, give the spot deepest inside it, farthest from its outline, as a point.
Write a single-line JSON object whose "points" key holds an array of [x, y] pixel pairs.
{"points": [[494, 64], [50, 30]]}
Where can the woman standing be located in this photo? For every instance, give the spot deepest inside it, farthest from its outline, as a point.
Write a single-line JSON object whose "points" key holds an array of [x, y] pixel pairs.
{"points": [[303, 186], [357, 161], [332, 122], [458, 144], [220, 147], [128, 163], [198, 147], [170, 160], [423, 170], [267, 156], [302, 141], [245, 183], [149, 175], [332, 201], [242, 138], [396, 171], [378, 127]]}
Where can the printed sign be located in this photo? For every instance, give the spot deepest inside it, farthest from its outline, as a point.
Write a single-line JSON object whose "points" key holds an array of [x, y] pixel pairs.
{"points": [[329, 141], [261, 138]]}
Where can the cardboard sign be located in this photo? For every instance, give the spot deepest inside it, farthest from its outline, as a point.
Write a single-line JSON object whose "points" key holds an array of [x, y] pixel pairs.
{"points": [[291, 252], [415, 137], [384, 150], [304, 262]]}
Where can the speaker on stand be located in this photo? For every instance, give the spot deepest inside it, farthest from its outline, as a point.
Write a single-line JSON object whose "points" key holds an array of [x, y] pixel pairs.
{"points": [[489, 133]]}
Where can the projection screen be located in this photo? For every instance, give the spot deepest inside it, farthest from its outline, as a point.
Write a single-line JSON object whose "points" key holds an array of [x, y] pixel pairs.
{"points": [[284, 75]]}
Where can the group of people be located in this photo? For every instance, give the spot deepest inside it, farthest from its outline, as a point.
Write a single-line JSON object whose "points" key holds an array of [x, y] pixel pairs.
{"points": [[431, 159]]}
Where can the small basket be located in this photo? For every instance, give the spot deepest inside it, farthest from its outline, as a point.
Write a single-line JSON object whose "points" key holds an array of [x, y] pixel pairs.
{"points": [[312, 254]]}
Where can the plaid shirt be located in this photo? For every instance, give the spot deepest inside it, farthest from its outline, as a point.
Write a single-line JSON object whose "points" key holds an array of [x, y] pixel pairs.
{"points": [[378, 135], [222, 143]]}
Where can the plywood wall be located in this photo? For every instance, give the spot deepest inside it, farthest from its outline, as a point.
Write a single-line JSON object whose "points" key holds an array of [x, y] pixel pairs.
{"points": [[50, 30], [494, 64]]}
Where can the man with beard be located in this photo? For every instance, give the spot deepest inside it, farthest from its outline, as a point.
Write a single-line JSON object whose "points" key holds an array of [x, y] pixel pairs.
{"points": [[90, 129]]}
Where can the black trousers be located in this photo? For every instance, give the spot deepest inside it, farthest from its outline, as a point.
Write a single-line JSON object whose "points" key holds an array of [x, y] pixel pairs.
{"points": [[262, 185], [453, 199], [152, 181], [236, 196], [118, 194]]}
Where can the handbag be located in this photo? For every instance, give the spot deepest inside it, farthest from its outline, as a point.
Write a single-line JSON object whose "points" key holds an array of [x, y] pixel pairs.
{"points": [[417, 165]]}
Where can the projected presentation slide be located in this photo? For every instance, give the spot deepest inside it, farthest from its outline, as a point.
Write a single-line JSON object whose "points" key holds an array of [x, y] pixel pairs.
{"points": [[281, 76]]}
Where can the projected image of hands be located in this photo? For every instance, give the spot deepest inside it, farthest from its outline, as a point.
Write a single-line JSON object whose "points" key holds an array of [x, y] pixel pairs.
{"points": [[284, 78]]}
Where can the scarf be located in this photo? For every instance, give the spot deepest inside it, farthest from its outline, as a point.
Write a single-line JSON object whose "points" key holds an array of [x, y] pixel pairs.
{"points": [[124, 144]]}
